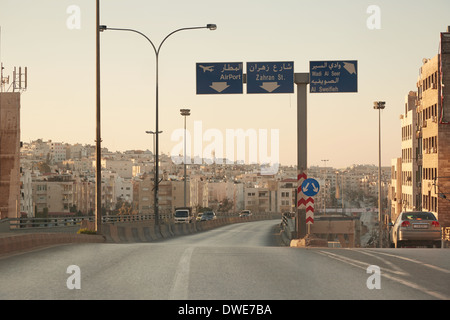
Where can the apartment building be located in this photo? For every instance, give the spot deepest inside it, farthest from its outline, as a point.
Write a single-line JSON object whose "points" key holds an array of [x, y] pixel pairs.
{"points": [[123, 167], [26, 194], [434, 131], [278, 196], [57, 152], [9, 154], [53, 194], [143, 194], [395, 189], [425, 177], [84, 195], [411, 165]]}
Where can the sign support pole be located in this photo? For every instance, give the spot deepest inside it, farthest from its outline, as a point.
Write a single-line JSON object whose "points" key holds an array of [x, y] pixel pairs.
{"points": [[301, 80]]}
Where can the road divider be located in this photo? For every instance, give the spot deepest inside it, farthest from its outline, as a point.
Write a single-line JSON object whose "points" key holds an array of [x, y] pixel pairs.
{"points": [[22, 242], [124, 232], [148, 233]]}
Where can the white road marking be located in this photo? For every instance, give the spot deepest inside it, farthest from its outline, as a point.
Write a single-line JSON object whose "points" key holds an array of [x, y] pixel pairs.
{"points": [[179, 290]]}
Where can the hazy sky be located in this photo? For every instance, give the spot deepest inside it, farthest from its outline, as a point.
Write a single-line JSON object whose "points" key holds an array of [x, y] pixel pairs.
{"points": [[342, 127]]}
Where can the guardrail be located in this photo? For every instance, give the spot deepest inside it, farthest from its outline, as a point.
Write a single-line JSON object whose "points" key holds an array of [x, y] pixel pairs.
{"points": [[25, 223], [41, 223]]}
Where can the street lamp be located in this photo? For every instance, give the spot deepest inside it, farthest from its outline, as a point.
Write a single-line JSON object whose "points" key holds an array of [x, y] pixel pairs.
{"points": [[379, 105], [157, 51], [185, 113], [154, 134], [325, 187]]}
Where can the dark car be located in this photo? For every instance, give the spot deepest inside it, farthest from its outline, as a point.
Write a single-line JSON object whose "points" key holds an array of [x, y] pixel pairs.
{"points": [[208, 215], [416, 228]]}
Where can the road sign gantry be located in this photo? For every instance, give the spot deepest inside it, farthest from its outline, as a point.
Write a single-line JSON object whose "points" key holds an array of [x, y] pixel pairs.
{"points": [[269, 77]]}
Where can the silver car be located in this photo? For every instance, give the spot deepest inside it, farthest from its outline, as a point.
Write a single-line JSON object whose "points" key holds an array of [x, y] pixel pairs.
{"points": [[417, 228]]}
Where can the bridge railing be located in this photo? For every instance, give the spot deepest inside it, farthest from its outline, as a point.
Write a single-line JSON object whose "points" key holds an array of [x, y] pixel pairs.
{"points": [[26, 223]]}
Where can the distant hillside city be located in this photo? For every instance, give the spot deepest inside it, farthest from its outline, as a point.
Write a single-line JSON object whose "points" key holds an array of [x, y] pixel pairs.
{"points": [[58, 179]]}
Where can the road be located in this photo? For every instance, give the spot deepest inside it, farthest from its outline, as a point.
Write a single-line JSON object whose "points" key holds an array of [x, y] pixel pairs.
{"points": [[234, 262]]}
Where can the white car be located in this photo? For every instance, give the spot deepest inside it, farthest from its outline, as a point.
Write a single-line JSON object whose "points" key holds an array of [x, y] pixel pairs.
{"points": [[415, 228]]}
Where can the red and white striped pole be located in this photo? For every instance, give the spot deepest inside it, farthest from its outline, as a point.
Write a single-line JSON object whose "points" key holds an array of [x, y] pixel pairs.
{"points": [[301, 80], [301, 202]]}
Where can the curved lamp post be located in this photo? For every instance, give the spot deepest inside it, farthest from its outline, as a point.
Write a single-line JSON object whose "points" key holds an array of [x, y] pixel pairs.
{"points": [[185, 113], [379, 105], [157, 51]]}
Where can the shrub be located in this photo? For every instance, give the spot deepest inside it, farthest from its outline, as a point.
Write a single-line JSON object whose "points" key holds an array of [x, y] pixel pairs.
{"points": [[86, 231]]}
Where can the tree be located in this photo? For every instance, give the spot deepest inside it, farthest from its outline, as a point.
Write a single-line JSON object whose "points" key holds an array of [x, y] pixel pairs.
{"points": [[226, 205], [43, 167]]}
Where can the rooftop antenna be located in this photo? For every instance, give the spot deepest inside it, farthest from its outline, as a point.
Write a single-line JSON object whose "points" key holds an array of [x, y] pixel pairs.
{"points": [[19, 79], [18, 84]]}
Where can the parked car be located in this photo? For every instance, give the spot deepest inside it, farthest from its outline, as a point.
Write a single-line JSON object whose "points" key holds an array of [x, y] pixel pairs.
{"points": [[417, 228], [245, 213], [208, 215], [199, 216]]}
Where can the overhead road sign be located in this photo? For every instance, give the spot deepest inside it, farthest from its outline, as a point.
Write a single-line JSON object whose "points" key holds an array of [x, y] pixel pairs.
{"points": [[220, 78], [270, 77], [333, 76]]}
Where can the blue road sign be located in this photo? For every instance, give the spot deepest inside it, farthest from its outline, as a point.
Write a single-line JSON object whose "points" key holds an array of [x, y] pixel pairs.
{"points": [[333, 76], [310, 187], [270, 77], [219, 78]]}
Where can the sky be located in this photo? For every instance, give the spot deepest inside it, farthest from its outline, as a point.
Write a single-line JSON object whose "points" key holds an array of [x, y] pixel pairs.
{"points": [[55, 40]]}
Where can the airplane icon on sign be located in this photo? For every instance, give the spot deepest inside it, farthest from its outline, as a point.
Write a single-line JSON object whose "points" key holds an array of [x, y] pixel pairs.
{"points": [[206, 68]]}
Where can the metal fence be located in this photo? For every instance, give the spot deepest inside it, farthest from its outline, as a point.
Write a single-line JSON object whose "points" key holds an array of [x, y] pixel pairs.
{"points": [[28, 223]]}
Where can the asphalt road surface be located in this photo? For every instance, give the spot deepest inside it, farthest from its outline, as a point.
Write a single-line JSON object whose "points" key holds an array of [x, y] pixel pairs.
{"points": [[234, 262]]}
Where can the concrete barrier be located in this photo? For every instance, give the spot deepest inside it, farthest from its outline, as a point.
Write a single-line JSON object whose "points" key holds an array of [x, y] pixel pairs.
{"points": [[21, 242], [165, 231], [150, 233], [116, 233]]}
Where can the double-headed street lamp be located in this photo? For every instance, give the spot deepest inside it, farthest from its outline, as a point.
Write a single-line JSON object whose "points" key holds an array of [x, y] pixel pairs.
{"points": [[154, 158], [157, 51], [185, 113], [379, 105]]}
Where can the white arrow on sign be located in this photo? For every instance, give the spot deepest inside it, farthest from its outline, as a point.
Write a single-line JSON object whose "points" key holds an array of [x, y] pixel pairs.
{"points": [[306, 188], [219, 86], [315, 188], [350, 67], [270, 86]]}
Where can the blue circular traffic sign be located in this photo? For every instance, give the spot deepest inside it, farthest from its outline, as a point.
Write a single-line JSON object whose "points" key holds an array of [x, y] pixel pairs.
{"points": [[310, 187]]}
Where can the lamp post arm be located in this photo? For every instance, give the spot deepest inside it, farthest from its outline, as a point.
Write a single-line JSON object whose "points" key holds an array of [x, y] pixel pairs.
{"points": [[182, 29], [148, 39], [138, 32]]}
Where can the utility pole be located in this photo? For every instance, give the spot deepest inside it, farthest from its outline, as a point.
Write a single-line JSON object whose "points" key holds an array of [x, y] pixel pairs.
{"points": [[379, 105], [98, 174], [325, 189]]}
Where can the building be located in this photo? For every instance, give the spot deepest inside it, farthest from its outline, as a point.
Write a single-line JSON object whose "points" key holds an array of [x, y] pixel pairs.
{"points": [[26, 194], [425, 165], [57, 152], [123, 168], [434, 130], [395, 190], [9, 155], [411, 166], [53, 195]]}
